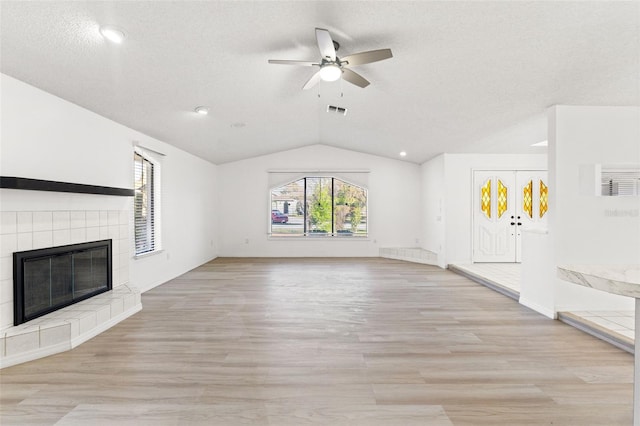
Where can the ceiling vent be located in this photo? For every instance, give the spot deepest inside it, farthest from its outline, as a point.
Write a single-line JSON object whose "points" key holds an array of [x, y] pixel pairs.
{"points": [[337, 110]]}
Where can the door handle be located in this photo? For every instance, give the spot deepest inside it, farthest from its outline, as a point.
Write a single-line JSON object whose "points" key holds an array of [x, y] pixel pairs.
{"points": [[519, 223], [513, 223]]}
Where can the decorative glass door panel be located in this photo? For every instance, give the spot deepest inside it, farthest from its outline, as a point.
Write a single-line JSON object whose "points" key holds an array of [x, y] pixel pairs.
{"points": [[527, 199], [485, 198], [503, 203], [544, 198]]}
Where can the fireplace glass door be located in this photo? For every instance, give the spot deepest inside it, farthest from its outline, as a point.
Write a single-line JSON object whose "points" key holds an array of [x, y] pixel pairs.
{"points": [[49, 279]]}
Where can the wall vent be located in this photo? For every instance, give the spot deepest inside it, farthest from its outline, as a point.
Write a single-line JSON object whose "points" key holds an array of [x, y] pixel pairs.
{"points": [[620, 182], [336, 109]]}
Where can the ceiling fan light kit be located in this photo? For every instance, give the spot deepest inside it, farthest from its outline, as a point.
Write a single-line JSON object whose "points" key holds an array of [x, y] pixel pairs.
{"points": [[330, 72], [332, 67]]}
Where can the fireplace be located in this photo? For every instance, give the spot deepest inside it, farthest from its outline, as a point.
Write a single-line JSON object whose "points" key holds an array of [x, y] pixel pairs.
{"points": [[49, 279]]}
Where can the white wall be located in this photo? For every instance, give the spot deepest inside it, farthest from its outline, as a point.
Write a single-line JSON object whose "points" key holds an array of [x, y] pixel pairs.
{"points": [[45, 137], [580, 226], [458, 170], [433, 207], [189, 218], [393, 204], [537, 279]]}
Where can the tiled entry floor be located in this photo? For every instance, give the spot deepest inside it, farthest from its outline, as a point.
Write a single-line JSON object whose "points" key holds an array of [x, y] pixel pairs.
{"points": [[616, 327], [504, 274], [621, 322]]}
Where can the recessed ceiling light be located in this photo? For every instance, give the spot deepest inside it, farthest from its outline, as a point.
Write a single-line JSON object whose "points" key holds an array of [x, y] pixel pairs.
{"points": [[202, 110], [112, 33], [542, 143], [403, 154], [330, 72]]}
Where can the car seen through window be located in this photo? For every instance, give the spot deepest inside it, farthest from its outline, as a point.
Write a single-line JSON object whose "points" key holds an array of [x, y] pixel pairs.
{"points": [[278, 217]]}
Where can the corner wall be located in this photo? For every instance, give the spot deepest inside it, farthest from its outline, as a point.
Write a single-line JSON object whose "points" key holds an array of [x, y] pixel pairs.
{"points": [[189, 218], [582, 228], [433, 207], [393, 204], [45, 137]]}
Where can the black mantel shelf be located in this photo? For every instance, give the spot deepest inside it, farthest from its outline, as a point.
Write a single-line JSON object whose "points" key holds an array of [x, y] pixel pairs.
{"points": [[51, 185]]}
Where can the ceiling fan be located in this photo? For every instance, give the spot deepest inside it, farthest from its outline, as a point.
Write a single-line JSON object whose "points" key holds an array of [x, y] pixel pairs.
{"points": [[332, 67]]}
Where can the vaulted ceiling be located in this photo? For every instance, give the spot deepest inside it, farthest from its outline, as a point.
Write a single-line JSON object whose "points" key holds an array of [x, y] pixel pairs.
{"points": [[460, 71]]}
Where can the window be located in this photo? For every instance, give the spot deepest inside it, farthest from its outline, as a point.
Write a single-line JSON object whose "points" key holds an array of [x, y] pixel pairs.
{"points": [[145, 201], [319, 206]]}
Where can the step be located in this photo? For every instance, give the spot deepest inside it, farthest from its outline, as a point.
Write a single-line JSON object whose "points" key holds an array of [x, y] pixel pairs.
{"points": [[68, 327]]}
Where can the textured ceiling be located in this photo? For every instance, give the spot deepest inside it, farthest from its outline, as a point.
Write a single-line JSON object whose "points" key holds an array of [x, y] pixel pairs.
{"points": [[461, 70]]}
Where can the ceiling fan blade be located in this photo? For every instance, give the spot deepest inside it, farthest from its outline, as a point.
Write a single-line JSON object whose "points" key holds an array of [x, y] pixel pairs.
{"points": [[325, 44], [367, 57], [285, 62], [354, 78], [312, 81]]}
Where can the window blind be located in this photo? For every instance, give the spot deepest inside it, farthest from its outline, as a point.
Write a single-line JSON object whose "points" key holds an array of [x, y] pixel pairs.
{"points": [[144, 206]]}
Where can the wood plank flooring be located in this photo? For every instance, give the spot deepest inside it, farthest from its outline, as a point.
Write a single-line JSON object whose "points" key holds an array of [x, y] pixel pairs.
{"points": [[326, 341]]}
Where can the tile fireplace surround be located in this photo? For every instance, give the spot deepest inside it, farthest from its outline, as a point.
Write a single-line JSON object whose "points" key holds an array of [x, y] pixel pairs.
{"points": [[68, 327]]}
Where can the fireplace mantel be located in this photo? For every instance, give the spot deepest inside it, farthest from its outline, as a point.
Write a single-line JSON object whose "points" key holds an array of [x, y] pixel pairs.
{"points": [[11, 182]]}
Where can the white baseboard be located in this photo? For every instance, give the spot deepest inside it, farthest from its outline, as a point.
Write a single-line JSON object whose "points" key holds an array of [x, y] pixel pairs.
{"points": [[151, 286], [549, 313], [410, 254]]}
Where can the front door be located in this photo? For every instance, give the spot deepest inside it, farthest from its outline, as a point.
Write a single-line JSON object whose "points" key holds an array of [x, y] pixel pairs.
{"points": [[504, 203], [531, 204]]}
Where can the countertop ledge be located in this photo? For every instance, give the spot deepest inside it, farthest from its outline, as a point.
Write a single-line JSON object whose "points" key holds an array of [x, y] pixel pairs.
{"points": [[623, 280]]}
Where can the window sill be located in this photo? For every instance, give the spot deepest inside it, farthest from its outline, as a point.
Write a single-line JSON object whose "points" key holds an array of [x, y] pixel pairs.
{"points": [[147, 254], [316, 238]]}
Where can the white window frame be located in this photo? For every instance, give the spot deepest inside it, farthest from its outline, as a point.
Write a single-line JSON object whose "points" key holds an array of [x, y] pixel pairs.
{"points": [[157, 203], [329, 236]]}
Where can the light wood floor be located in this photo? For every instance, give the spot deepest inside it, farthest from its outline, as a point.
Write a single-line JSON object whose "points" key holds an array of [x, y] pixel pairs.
{"points": [[326, 341]]}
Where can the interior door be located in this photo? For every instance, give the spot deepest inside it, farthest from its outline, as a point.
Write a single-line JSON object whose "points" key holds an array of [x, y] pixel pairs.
{"points": [[494, 238]]}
